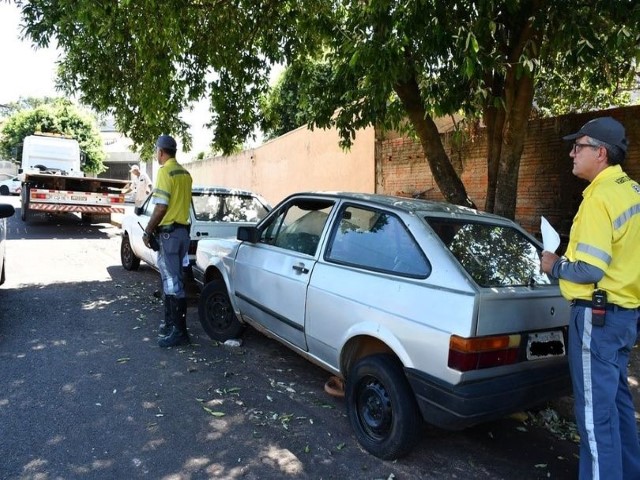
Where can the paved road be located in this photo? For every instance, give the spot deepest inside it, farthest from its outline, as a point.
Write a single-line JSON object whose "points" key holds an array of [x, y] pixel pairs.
{"points": [[87, 394]]}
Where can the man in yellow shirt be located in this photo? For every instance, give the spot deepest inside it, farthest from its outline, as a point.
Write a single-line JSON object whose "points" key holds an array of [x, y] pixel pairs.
{"points": [[600, 275], [170, 223]]}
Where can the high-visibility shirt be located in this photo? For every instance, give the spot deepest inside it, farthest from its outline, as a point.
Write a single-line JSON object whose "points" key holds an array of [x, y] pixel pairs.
{"points": [[173, 188], [606, 234]]}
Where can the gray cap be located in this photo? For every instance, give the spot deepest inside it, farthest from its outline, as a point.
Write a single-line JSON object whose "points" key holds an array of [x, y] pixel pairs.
{"points": [[605, 129], [166, 141]]}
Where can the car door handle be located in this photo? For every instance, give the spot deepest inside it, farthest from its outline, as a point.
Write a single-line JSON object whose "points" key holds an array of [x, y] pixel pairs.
{"points": [[300, 268]]}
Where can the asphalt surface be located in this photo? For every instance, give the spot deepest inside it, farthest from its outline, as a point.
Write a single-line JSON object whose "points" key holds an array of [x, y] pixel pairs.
{"points": [[87, 394]]}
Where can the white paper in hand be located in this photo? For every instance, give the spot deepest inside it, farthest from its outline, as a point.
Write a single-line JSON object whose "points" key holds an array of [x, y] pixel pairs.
{"points": [[550, 238]]}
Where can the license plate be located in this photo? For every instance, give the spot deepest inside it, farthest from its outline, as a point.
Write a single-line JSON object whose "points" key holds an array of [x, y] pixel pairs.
{"points": [[78, 198], [545, 344]]}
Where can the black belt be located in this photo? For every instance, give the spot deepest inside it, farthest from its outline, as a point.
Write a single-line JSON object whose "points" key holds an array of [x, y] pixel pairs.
{"points": [[171, 227], [612, 307]]}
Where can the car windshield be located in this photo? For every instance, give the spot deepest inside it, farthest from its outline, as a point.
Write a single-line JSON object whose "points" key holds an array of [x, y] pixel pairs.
{"points": [[217, 207], [494, 255]]}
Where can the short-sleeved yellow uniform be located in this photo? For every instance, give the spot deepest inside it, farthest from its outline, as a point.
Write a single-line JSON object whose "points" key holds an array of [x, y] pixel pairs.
{"points": [[173, 188]]}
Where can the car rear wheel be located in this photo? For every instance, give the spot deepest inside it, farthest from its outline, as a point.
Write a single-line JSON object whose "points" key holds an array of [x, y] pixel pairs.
{"points": [[216, 312], [127, 257], [24, 204], [381, 407], [4, 190]]}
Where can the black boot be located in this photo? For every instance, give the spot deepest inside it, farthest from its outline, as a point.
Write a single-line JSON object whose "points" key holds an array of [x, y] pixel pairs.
{"points": [[179, 334], [165, 325]]}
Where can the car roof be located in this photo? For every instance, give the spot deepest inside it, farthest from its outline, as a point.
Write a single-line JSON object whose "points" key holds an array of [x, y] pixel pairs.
{"points": [[208, 189], [410, 205]]}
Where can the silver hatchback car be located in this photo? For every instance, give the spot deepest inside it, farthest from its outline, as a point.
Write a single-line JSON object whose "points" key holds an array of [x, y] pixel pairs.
{"points": [[426, 310]]}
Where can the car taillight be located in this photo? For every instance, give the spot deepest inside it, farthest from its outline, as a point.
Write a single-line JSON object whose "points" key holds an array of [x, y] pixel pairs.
{"points": [[467, 354]]}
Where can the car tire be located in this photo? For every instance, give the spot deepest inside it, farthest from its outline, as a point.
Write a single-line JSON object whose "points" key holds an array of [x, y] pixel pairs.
{"points": [[127, 257], [24, 204], [381, 407], [216, 313], [4, 190]]}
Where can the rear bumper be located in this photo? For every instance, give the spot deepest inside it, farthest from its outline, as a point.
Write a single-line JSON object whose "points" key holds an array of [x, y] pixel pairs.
{"points": [[54, 207], [455, 407]]}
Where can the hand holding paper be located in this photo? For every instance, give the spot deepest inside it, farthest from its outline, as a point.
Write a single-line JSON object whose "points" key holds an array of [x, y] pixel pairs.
{"points": [[550, 238]]}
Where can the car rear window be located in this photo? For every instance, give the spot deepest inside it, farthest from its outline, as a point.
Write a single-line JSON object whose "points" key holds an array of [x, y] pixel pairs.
{"points": [[493, 255], [216, 207]]}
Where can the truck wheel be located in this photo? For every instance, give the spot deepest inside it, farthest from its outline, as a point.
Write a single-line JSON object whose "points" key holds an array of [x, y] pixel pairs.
{"points": [[24, 204], [216, 312], [127, 257], [381, 407]]}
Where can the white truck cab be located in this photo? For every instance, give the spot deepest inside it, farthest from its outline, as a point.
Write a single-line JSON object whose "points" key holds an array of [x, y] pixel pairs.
{"points": [[52, 154]]}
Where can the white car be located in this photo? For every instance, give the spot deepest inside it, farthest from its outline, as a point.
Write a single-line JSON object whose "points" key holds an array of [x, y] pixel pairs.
{"points": [[5, 211], [216, 212], [10, 186], [427, 310]]}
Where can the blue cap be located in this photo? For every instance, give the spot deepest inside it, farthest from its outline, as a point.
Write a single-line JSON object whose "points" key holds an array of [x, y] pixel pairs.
{"points": [[605, 129], [166, 141]]}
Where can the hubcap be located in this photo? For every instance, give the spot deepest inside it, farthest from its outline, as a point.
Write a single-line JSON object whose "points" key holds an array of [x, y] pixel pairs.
{"points": [[374, 408]]}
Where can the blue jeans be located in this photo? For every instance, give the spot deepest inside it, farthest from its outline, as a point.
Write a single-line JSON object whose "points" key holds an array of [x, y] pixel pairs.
{"points": [[605, 414], [173, 248]]}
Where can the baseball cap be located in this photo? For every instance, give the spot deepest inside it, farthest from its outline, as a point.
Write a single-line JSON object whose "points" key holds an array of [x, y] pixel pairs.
{"points": [[134, 168], [166, 141], [605, 129]]}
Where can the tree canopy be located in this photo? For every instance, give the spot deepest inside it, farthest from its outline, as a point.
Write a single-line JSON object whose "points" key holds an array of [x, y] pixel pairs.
{"points": [[58, 116], [387, 63]]}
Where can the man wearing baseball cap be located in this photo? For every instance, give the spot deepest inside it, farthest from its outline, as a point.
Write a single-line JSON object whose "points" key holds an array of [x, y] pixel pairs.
{"points": [[600, 275], [170, 221], [140, 185]]}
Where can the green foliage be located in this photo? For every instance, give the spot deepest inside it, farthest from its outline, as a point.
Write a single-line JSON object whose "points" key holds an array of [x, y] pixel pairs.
{"points": [[388, 63], [53, 116]]}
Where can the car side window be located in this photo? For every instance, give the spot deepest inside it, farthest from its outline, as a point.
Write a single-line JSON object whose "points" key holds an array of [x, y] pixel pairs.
{"points": [[215, 207], [298, 226], [376, 240], [147, 206]]}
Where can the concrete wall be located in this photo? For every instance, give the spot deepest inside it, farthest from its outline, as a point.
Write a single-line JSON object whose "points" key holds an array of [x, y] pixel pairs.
{"points": [[301, 160]]}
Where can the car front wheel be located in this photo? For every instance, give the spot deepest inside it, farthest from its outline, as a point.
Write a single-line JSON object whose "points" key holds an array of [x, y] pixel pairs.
{"points": [[216, 312], [127, 257], [381, 407]]}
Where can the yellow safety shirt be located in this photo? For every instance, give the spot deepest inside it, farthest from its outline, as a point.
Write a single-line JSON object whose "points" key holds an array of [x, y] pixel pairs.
{"points": [[173, 188], [606, 234]]}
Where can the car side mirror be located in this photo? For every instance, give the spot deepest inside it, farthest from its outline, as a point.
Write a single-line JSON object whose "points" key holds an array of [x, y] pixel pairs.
{"points": [[138, 210], [248, 234], [6, 210]]}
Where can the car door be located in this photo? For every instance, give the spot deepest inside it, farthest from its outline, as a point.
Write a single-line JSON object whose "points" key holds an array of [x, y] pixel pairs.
{"points": [[137, 244], [272, 275]]}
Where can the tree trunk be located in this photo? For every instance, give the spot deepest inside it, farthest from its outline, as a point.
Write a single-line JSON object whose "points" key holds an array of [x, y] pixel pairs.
{"points": [[494, 116], [515, 130], [442, 169], [507, 125]]}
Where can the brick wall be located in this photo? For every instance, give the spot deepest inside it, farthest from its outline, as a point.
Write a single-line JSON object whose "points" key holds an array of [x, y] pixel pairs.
{"points": [[546, 185]]}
